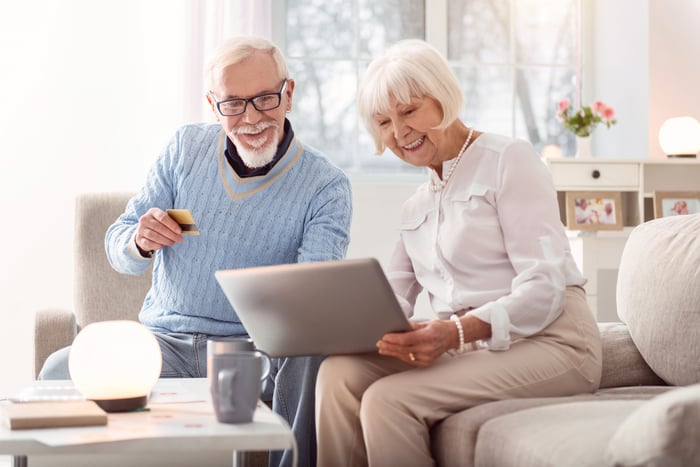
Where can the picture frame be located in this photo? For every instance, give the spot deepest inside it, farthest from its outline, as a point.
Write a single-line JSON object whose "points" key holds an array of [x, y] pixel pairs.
{"points": [[594, 210], [675, 203]]}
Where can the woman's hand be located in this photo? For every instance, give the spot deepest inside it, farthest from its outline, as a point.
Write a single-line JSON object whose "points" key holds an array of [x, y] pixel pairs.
{"points": [[422, 345]]}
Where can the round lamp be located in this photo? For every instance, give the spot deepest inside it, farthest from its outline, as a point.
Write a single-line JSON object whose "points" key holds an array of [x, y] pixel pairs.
{"points": [[680, 137], [116, 364]]}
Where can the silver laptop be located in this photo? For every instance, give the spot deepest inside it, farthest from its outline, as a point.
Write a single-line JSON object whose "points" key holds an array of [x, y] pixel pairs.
{"points": [[321, 308]]}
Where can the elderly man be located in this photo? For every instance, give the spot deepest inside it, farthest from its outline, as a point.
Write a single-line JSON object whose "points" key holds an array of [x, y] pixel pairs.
{"points": [[258, 197]]}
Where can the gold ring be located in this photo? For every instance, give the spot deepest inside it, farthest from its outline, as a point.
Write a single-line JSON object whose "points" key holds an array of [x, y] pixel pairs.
{"points": [[412, 356]]}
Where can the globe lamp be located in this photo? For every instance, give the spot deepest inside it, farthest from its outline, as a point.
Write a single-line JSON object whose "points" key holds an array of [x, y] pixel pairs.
{"points": [[115, 364], [680, 137]]}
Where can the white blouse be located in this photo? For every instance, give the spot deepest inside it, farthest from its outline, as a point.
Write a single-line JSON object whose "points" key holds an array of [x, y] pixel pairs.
{"points": [[491, 241]]}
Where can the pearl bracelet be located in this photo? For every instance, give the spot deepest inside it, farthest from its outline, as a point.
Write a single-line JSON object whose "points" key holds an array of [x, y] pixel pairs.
{"points": [[460, 331]]}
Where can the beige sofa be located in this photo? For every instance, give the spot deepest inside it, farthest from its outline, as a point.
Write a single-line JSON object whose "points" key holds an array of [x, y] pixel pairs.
{"points": [[647, 412]]}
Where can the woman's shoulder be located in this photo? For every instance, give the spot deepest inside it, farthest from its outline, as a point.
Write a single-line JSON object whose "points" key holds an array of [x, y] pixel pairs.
{"points": [[501, 143]]}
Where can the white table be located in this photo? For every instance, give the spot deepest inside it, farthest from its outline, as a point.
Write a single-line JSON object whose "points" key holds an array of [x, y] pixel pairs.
{"points": [[180, 418]]}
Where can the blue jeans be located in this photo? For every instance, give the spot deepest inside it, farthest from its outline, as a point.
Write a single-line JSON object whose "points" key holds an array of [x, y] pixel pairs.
{"points": [[290, 386]]}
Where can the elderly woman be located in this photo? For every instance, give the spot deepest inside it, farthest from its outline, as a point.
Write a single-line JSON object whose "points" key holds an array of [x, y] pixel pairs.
{"points": [[483, 238]]}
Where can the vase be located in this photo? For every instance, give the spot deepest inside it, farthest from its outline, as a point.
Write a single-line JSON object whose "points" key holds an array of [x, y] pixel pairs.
{"points": [[583, 147]]}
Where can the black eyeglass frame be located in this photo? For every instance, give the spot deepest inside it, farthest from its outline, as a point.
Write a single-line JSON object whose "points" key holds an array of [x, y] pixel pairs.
{"points": [[251, 100]]}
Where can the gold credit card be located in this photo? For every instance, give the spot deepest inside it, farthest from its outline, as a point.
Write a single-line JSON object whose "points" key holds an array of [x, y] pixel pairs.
{"points": [[185, 219]]}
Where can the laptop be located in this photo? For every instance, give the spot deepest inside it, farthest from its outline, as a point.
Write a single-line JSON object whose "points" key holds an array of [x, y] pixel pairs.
{"points": [[321, 308]]}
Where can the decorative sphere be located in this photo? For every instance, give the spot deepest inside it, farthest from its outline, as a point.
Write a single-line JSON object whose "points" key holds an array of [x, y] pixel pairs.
{"points": [[680, 136], [115, 360]]}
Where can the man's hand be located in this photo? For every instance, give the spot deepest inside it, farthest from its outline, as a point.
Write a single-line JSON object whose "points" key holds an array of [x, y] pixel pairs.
{"points": [[155, 230], [423, 345]]}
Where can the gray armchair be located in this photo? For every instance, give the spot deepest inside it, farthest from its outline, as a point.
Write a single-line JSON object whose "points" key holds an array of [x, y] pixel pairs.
{"points": [[100, 293]]}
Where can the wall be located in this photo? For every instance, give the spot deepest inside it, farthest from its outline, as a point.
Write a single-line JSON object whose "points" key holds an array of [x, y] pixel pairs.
{"points": [[67, 125], [643, 60], [674, 64], [616, 71]]}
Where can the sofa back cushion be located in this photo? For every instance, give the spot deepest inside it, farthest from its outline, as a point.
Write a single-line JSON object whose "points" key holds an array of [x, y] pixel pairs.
{"points": [[658, 295]]}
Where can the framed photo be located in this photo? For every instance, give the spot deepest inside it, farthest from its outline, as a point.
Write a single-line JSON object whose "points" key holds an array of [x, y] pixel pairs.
{"points": [[676, 203], [593, 210]]}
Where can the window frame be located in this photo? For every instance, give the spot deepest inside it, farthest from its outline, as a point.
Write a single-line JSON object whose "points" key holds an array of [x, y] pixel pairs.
{"points": [[436, 33]]}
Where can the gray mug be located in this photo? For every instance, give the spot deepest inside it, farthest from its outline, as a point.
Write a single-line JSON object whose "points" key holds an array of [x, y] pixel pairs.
{"points": [[234, 382], [231, 344]]}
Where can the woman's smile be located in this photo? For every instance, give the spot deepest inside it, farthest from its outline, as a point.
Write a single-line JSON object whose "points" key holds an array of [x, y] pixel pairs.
{"points": [[415, 144]]}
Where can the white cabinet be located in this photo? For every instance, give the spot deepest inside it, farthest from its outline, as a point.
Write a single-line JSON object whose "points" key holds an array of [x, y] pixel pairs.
{"points": [[598, 253]]}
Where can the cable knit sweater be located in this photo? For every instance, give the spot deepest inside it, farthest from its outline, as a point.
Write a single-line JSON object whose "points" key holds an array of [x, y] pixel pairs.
{"points": [[299, 211]]}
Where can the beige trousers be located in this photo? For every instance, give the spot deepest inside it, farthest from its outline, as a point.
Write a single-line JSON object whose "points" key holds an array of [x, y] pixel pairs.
{"points": [[378, 411]]}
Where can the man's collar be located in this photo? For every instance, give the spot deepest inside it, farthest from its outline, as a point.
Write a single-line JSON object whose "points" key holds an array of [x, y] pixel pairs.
{"points": [[242, 170]]}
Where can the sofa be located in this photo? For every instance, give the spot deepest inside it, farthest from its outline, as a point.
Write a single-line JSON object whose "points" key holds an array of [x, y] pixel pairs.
{"points": [[646, 412]]}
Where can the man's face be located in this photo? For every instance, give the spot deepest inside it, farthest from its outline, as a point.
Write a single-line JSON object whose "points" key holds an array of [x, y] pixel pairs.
{"points": [[256, 134]]}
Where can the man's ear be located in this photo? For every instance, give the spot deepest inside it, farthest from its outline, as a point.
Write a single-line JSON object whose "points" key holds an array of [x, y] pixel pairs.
{"points": [[290, 92], [212, 104]]}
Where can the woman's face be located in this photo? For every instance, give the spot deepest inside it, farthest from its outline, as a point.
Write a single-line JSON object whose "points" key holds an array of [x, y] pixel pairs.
{"points": [[408, 130]]}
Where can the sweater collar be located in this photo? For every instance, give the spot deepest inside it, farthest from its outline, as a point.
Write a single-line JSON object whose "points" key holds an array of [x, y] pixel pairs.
{"points": [[241, 186]]}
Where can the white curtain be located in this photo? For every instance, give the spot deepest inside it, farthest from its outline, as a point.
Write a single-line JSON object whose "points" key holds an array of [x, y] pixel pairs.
{"points": [[208, 24]]}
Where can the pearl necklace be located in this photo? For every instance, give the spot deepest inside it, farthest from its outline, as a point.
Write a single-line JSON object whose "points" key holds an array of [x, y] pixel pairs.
{"points": [[441, 184]]}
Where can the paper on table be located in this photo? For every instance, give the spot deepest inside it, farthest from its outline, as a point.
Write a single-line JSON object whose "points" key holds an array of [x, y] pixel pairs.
{"points": [[49, 392], [172, 392], [161, 421]]}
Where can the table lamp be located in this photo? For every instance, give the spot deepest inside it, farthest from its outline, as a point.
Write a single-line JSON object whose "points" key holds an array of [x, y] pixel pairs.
{"points": [[115, 364], [680, 137]]}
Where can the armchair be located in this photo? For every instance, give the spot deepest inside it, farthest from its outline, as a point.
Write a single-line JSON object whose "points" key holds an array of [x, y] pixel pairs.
{"points": [[100, 293]]}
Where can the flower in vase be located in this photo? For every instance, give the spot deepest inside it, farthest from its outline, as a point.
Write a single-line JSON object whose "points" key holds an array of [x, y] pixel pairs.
{"points": [[582, 122]]}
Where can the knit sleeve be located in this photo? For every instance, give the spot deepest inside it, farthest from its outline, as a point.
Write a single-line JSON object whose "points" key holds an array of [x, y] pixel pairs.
{"points": [[327, 229], [156, 192]]}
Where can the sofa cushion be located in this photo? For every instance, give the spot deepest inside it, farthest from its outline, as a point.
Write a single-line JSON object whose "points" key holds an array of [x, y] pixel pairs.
{"points": [[568, 434], [623, 365], [658, 295], [664, 432], [454, 439]]}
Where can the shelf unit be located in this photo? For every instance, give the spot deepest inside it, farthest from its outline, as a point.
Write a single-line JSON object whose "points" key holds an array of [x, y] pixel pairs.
{"points": [[598, 253]]}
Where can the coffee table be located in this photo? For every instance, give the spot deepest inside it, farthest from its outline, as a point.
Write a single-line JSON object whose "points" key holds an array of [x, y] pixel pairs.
{"points": [[179, 418]]}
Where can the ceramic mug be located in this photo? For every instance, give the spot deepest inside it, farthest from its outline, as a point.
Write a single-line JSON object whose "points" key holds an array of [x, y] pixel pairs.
{"points": [[234, 382], [231, 344]]}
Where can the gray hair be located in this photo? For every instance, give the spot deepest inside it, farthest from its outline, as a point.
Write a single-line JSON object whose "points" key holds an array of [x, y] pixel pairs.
{"points": [[237, 49], [409, 69]]}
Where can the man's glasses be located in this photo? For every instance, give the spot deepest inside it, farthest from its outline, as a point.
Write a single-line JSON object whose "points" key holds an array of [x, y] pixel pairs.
{"points": [[233, 107]]}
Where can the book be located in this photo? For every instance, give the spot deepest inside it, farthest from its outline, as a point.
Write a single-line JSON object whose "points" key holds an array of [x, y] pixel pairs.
{"points": [[54, 414]]}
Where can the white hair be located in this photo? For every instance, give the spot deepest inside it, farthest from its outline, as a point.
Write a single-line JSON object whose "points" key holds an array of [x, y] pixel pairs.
{"points": [[237, 49], [408, 69]]}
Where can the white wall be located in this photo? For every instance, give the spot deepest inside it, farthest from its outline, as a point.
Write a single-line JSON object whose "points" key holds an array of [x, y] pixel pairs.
{"points": [[674, 64], [643, 60], [71, 108], [67, 126], [616, 71]]}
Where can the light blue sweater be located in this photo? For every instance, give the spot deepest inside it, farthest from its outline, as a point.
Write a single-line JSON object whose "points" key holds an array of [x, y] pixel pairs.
{"points": [[300, 211]]}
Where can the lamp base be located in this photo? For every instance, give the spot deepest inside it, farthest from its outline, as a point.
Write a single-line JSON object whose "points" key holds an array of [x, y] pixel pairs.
{"points": [[681, 155], [122, 405]]}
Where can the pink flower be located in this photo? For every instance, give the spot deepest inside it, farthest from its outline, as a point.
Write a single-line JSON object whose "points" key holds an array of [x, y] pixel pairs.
{"points": [[598, 107], [608, 113], [563, 105], [583, 121]]}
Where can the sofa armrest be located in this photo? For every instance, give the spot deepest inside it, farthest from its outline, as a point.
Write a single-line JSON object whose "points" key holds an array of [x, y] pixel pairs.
{"points": [[53, 330], [623, 365]]}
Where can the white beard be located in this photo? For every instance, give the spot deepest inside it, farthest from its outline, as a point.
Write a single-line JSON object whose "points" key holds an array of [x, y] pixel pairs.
{"points": [[263, 153]]}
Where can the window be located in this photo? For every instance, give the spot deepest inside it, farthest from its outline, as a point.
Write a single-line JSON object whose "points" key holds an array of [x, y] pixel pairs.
{"points": [[515, 59]]}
